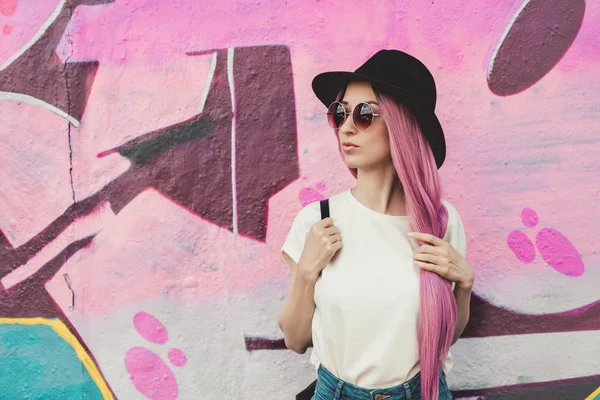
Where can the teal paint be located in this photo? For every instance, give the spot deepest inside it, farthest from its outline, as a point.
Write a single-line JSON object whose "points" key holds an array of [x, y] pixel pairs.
{"points": [[37, 363]]}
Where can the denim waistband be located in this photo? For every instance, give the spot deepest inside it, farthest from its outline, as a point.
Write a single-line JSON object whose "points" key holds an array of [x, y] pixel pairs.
{"points": [[339, 389]]}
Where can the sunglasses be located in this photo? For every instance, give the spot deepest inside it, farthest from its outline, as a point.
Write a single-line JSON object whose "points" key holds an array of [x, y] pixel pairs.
{"points": [[362, 115]]}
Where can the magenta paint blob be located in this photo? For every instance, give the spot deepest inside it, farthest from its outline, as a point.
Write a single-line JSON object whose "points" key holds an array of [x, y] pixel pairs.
{"points": [[521, 246], [8, 7], [150, 328], [177, 357], [559, 252], [309, 195], [529, 217], [150, 375]]}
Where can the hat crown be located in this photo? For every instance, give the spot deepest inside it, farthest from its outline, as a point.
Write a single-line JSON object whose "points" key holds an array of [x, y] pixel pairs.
{"points": [[404, 71], [401, 76]]}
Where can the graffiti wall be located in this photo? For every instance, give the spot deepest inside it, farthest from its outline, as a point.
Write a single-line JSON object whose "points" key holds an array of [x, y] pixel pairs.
{"points": [[154, 154]]}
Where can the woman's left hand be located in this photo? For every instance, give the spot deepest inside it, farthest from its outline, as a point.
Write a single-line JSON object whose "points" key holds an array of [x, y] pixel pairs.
{"points": [[440, 257]]}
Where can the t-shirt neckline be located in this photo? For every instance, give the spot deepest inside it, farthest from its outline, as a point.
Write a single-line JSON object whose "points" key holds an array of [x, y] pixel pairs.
{"points": [[376, 214]]}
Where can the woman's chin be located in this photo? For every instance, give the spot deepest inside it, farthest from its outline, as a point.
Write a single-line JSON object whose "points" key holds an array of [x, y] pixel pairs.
{"points": [[352, 164]]}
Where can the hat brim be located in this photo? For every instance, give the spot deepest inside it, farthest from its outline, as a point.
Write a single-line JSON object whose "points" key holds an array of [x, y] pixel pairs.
{"points": [[328, 85]]}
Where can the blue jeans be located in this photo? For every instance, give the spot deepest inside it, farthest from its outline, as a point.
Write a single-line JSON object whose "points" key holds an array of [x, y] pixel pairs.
{"points": [[330, 387]]}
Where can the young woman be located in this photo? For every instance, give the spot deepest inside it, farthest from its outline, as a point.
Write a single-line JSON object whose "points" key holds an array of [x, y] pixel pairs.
{"points": [[382, 288]]}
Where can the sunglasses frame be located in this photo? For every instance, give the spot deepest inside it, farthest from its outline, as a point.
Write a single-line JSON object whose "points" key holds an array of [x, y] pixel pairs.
{"points": [[347, 114]]}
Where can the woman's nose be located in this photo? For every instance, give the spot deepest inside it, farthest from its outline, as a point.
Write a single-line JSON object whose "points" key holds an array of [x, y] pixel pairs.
{"points": [[348, 127]]}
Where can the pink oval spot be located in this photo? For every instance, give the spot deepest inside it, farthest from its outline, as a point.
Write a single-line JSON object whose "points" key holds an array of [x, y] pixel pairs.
{"points": [[529, 217], [321, 185], [8, 7], [150, 328], [309, 195], [150, 375], [521, 246], [177, 357], [559, 252], [7, 29]]}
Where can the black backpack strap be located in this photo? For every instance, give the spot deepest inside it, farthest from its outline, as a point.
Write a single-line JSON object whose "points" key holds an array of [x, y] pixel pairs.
{"points": [[324, 208]]}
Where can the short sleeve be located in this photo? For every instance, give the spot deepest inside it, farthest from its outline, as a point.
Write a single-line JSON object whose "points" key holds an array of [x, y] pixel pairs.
{"points": [[304, 220], [455, 232]]}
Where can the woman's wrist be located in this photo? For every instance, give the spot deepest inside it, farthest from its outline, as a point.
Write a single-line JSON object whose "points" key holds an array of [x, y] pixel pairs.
{"points": [[305, 275], [466, 285]]}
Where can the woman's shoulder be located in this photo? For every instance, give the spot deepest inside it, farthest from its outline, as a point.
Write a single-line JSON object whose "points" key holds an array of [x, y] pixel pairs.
{"points": [[308, 215], [452, 211], [454, 219], [310, 210], [455, 231]]}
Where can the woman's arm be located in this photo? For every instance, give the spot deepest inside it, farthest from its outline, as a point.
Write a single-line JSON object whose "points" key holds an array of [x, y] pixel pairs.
{"points": [[295, 318], [462, 294]]}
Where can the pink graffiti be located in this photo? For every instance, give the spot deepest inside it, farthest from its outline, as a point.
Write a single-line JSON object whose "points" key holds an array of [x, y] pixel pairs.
{"points": [[520, 244], [309, 195], [529, 217], [559, 252], [177, 357], [150, 375], [150, 328], [555, 248], [8, 7]]}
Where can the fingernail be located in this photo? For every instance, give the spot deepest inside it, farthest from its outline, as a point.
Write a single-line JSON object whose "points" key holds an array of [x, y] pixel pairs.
{"points": [[410, 233]]}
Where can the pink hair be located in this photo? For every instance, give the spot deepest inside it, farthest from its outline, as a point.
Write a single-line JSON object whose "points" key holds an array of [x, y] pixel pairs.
{"points": [[416, 168]]}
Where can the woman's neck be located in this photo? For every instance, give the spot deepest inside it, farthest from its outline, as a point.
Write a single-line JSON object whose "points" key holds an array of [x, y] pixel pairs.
{"points": [[380, 190]]}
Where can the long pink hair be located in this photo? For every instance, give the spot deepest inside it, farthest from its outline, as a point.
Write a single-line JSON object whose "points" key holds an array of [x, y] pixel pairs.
{"points": [[417, 171]]}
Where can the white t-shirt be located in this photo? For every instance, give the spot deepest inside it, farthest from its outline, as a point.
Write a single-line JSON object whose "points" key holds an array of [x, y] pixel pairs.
{"points": [[364, 329]]}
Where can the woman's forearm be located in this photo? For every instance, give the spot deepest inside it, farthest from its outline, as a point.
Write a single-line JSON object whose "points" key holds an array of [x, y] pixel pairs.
{"points": [[295, 318], [462, 294]]}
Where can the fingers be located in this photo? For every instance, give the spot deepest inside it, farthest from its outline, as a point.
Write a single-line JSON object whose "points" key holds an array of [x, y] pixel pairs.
{"points": [[441, 271], [333, 247], [331, 239], [332, 230], [441, 251], [322, 225], [325, 223], [426, 237], [335, 238], [325, 228], [431, 259], [328, 234]]}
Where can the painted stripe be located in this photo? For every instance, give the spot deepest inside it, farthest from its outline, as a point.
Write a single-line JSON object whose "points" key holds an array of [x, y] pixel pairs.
{"points": [[595, 395], [24, 98], [230, 56]]}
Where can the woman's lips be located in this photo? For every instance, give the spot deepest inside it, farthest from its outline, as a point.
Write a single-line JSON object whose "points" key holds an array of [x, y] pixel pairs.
{"points": [[349, 147]]}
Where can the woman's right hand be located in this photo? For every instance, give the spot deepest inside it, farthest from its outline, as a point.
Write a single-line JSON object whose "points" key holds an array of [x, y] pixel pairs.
{"points": [[322, 242]]}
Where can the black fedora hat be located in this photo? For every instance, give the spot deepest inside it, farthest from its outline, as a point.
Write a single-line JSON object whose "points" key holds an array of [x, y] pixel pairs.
{"points": [[403, 77]]}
